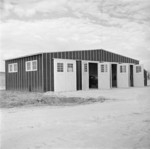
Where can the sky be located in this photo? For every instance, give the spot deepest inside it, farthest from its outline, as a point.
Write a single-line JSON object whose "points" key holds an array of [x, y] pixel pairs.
{"points": [[33, 26]]}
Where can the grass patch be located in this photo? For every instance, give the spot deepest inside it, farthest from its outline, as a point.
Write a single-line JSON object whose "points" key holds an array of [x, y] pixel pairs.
{"points": [[10, 99]]}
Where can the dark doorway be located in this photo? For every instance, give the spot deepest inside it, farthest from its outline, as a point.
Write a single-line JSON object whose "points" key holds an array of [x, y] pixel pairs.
{"points": [[145, 78], [114, 75], [79, 75], [93, 75], [131, 75]]}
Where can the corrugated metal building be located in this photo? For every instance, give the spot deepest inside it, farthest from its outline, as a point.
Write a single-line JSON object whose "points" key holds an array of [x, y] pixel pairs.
{"points": [[72, 70]]}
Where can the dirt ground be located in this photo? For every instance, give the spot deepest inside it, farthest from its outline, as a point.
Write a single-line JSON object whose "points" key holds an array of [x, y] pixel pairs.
{"points": [[122, 123]]}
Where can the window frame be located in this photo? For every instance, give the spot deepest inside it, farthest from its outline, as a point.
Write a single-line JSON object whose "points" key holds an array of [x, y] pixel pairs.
{"points": [[12, 66], [10, 71], [138, 69], [36, 65], [69, 69], [60, 67], [85, 67], [123, 69], [16, 67], [27, 66], [31, 65], [104, 68]]}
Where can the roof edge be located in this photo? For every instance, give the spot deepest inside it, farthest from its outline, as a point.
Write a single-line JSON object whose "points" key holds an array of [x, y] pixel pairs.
{"points": [[24, 56], [67, 51]]}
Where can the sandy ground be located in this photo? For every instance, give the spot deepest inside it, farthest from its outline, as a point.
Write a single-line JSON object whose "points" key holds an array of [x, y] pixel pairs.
{"points": [[115, 124]]}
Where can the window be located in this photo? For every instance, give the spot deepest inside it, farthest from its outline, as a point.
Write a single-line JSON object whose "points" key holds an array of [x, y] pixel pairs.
{"points": [[12, 67], [138, 69], [104, 68], [15, 67], [123, 69], [59, 67], [69, 67], [28, 66], [31, 65], [34, 65], [85, 67]]}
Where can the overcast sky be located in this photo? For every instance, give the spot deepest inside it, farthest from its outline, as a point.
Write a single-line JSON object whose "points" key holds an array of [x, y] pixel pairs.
{"points": [[31, 26]]}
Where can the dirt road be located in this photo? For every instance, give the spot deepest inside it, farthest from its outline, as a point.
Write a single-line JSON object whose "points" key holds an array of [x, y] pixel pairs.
{"points": [[114, 124]]}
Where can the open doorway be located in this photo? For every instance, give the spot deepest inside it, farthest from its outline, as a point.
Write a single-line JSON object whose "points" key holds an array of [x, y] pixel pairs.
{"points": [[145, 78], [93, 75], [131, 75], [114, 75]]}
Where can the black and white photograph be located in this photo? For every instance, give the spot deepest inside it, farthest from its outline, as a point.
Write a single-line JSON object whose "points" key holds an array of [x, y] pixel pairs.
{"points": [[74, 74]]}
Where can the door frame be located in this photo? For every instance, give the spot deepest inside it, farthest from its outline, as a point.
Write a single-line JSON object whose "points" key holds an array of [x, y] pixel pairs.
{"points": [[111, 75], [89, 74], [130, 83], [85, 82]]}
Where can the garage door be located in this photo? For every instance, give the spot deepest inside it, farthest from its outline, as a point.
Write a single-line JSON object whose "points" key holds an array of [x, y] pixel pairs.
{"points": [[64, 75], [138, 75], [104, 76], [123, 75]]}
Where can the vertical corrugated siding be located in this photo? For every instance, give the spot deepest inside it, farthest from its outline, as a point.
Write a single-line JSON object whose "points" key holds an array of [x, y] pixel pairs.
{"points": [[48, 70], [92, 55], [101, 55], [86, 55], [43, 78], [83, 55], [23, 80], [49, 81], [44, 72], [80, 55], [97, 55]]}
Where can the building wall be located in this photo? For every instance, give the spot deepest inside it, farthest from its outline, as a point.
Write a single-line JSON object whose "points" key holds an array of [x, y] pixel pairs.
{"points": [[91, 55], [23, 80], [43, 78]]}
